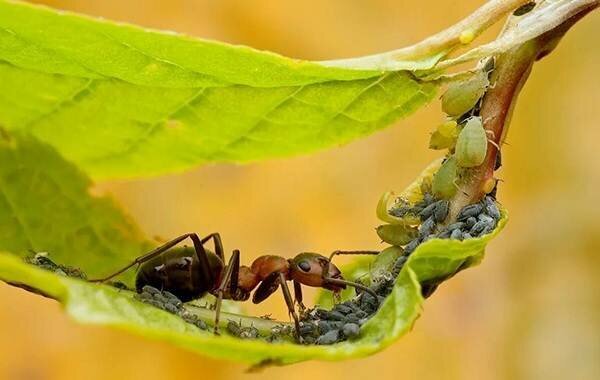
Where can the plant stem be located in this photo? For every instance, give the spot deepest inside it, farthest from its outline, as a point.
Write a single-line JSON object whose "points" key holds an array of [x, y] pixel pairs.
{"points": [[512, 69], [440, 43]]}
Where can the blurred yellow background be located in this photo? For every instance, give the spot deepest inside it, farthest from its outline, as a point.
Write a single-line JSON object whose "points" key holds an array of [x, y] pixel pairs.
{"points": [[530, 311]]}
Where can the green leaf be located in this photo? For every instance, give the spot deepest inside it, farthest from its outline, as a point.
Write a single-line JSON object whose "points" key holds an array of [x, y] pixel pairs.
{"points": [[45, 205], [122, 101]]}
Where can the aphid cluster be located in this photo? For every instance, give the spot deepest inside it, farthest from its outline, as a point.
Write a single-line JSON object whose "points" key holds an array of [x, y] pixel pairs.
{"points": [[463, 133], [169, 302], [242, 332], [42, 260]]}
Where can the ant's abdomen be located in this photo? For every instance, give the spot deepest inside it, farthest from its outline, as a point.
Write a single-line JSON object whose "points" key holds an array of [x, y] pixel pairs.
{"points": [[176, 273]]}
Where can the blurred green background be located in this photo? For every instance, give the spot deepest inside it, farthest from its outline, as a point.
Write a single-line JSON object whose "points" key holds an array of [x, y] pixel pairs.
{"points": [[530, 311]]}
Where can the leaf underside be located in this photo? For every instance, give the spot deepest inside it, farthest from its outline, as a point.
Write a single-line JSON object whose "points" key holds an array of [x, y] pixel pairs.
{"points": [[121, 101], [96, 237]]}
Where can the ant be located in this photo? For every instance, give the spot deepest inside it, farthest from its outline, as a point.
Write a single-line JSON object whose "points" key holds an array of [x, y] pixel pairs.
{"points": [[189, 273]]}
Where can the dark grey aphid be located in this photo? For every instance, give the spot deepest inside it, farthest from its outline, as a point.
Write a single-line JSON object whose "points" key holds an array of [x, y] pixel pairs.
{"points": [[470, 222], [171, 308], [456, 226], [150, 289], [485, 218], [445, 234], [491, 208], [441, 210], [329, 338], [456, 235], [478, 228], [466, 236], [336, 316], [342, 308], [351, 330], [428, 198], [427, 211], [426, 227], [469, 211], [307, 328], [410, 247], [325, 325]]}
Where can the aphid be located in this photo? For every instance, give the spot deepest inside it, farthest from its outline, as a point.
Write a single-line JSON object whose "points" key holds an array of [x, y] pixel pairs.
{"points": [[444, 181], [396, 234], [491, 208], [410, 247], [460, 97], [351, 330], [441, 210], [189, 273], [329, 338], [471, 145], [427, 211], [469, 211], [384, 261], [448, 129], [456, 235], [437, 141], [470, 222], [478, 228], [426, 228]]}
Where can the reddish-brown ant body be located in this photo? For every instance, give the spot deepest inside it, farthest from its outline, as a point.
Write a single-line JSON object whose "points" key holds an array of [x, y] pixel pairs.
{"points": [[189, 273]]}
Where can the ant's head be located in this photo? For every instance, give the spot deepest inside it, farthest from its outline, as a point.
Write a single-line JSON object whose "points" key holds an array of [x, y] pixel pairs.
{"points": [[311, 268]]}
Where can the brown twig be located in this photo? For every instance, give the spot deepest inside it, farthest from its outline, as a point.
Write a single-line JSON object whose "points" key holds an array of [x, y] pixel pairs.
{"points": [[512, 69]]}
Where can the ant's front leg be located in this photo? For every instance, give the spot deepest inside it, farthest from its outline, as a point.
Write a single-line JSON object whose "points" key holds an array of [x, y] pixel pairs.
{"points": [[290, 305], [336, 253], [231, 278], [298, 296]]}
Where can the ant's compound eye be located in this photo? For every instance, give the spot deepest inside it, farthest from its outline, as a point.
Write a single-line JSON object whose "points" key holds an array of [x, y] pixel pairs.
{"points": [[304, 265]]}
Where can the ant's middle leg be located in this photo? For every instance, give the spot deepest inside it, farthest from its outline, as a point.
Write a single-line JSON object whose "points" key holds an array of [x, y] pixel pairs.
{"points": [[216, 237]]}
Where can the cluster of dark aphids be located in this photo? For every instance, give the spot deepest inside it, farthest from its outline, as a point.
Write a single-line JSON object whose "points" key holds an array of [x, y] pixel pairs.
{"points": [[473, 220], [320, 326], [241, 331], [42, 260], [169, 302], [343, 322]]}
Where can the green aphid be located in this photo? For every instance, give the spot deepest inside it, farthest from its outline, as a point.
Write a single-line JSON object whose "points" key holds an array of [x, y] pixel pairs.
{"points": [[471, 145], [397, 234], [460, 97], [444, 181], [384, 262], [437, 141]]}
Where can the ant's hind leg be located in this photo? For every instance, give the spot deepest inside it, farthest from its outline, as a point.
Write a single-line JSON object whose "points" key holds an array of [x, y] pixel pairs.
{"points": [[150, 255], [231, 277]]}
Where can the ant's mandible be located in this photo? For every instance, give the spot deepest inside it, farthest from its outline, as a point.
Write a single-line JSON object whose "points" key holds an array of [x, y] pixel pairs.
{"points": [[189, 273]]}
